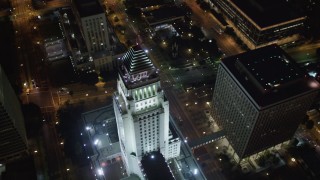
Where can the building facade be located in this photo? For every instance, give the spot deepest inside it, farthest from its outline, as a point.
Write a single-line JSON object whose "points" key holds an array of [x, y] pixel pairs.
{"points": [[93, 22], [142, 112], [261, 23], [174, 143], [260, 98], [13, 140]]}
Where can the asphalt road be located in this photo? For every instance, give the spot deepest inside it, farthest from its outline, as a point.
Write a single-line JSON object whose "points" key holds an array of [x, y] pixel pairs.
{"points": [[209, 24]]}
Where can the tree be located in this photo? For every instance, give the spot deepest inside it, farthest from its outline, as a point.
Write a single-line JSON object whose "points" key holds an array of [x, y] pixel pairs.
{"points": [[33, 119], [197, 32], [305, 119], [210, 123], [134, 12], [309, 124], [199, 1], [229, 31], [71, 93], [275, 160], [89, 78], [261, 161], [318, 52], [211, 46], [205, 6]]}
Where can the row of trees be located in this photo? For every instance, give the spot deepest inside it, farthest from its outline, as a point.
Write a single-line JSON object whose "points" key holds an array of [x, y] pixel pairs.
{"points": [[68, 128], [268, 159]]}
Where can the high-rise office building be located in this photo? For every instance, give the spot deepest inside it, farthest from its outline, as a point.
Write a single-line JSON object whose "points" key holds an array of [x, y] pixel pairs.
{"points": [[13, 141], [260, 98], [93, 22], [142, 112]]}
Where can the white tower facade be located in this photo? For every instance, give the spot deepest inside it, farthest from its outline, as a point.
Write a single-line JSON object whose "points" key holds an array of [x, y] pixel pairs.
{"points": [[142, 110]]}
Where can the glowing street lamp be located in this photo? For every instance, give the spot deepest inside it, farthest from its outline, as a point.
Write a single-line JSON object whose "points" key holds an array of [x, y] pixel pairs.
{"points": [[100, 172], [195, 171]]}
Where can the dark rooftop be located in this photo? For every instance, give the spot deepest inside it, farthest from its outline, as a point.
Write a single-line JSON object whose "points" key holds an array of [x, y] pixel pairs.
{"points": [[88, 7], [269, 75], [164, 13], [155, 167], [20, 169], [267, 12], [148, 3]]}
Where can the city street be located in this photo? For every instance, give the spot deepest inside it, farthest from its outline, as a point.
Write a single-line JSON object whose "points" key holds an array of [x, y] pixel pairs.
{"points": [[210, 24], [304, 53]]}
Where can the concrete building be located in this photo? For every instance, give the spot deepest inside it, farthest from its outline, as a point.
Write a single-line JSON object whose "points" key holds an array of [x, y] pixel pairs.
{"points": [[174, 143], [103, 147], [163, 15], [101, 46], [261, 23], [55, 49], [92, 19], [260, 98], [13, 141], [142, 112]]}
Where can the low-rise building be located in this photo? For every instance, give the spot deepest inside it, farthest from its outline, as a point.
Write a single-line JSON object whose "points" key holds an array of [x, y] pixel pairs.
{"points": [[103, 147], [261, 23]]}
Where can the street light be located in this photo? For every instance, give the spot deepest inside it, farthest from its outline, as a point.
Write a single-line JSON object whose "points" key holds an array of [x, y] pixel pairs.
{"points": [[195, 171], [100, 172], [96, 142]]}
